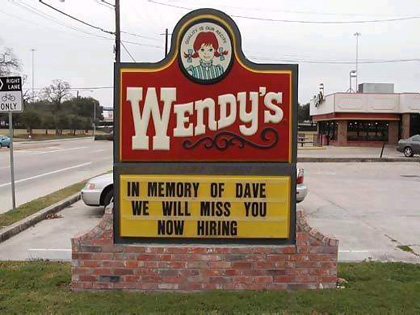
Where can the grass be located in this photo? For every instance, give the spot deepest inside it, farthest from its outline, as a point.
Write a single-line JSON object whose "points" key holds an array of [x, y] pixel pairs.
{"points": [[406, 248], [51, 137], [35, 205], [39, 134], [372, 288]]}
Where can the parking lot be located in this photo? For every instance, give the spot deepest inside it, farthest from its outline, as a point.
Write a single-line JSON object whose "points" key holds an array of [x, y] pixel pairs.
{"points": [[50, 239], [372, 208]]}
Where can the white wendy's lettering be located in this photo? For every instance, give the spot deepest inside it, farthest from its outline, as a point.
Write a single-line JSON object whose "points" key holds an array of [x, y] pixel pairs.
{"points": [[242, 107]]}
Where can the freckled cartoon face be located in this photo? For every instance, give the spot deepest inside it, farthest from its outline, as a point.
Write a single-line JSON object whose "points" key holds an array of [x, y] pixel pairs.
{"points": [[206, 52]]}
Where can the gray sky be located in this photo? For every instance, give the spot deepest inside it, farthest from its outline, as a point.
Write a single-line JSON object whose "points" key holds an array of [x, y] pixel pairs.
{"points": [[83, 56]]}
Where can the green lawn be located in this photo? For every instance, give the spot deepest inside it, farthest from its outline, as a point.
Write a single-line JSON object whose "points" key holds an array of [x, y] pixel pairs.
{"points": [[372, 288]]}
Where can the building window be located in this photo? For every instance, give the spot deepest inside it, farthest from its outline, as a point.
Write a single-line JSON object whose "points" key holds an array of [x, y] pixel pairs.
{"points": [[329, 128], [414, 124], [367, 130]]}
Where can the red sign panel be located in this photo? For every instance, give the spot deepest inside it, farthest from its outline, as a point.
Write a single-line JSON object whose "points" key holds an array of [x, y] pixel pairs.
{"points": [[206, 103]]}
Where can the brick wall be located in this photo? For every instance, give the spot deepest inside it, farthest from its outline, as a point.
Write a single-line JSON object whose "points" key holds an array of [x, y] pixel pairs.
{"points": [[342, 133], [393, 132], [98, 264], [405, 126]]}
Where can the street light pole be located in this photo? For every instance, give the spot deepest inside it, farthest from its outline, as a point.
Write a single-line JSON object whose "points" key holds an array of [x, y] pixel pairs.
{"points": [[351, 75], [357, 34], [33, 76]]}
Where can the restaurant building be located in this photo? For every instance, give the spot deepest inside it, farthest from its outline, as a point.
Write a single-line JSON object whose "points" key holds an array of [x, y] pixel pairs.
{"points": [[370, 117]]}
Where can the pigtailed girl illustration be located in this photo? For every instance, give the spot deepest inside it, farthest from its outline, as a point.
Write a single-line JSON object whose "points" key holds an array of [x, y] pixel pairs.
{"points": [[206, 47]]}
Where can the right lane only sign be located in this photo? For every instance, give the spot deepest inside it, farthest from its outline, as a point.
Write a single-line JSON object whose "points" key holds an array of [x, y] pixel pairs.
{"points": [[11, 94]]}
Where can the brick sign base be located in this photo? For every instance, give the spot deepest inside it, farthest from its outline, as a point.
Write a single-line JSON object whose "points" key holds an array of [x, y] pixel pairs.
{"points": [[98, 264]]}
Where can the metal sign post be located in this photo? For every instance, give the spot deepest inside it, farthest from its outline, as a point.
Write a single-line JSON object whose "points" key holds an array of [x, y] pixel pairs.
{"points": [[11, 102], [12, 164]]}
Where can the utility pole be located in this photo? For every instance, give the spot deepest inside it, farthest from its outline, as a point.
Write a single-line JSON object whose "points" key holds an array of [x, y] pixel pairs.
{"points": [[166, 42], [33, 76], [357, 34], [117, 32]]}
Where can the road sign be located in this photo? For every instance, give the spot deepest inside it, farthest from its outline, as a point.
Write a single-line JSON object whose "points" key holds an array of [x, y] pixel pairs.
{"points": [[11, 102], [11, 95]]}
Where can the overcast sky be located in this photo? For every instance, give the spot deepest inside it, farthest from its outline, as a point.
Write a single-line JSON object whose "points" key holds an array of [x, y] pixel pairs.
{"points": [[68, 50]]}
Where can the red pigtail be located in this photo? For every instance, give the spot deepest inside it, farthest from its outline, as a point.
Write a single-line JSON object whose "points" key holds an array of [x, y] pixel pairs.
{"points": [[206, 38]]}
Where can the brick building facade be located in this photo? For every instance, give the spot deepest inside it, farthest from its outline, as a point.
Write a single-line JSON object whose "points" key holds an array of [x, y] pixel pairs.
{"points": [[366, 119]]}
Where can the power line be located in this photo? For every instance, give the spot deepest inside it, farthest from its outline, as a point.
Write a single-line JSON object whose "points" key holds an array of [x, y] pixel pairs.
{"points": [[111, 6], [84, 88], [140, 44], [297, 21], [335, 62], [302, 12], [77, 19], [141, 36], [52, 19], [93, 26], [108, 3], [268, 58], [105, 4], [31, 22], [125, 48], [33, 10]]}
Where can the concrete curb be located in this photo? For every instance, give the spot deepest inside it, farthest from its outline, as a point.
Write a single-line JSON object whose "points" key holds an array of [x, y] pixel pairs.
{"points": [[37, 217], [355, 159]]}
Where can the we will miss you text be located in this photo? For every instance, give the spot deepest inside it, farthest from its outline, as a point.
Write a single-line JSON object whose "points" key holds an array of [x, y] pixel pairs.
{"points": [[208, 209]]}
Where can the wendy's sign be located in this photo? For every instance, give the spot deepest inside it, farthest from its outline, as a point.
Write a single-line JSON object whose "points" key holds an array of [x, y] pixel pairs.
{"points": [[206, 113], [206, 101]]}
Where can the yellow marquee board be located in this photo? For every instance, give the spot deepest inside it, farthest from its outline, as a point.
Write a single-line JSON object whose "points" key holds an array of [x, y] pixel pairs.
{"points": [[205, 206]]}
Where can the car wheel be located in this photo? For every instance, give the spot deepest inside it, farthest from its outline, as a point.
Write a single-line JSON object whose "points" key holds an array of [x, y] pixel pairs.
{"points": [[108, 197], [408, 152]]}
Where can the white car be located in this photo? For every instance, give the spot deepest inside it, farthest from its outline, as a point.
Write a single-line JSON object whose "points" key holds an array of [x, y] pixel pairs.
{"points": [[301, 189], [99, 191]]}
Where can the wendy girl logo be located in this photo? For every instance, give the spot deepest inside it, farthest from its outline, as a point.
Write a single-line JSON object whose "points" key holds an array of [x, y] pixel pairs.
{"points": [[206, 52]]}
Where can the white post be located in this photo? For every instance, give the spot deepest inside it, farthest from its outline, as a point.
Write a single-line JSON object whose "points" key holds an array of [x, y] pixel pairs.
{"points": [[357, 34], [33, 76]]}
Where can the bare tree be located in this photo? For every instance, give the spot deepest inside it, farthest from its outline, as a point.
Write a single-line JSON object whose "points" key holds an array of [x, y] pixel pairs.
{"points": [[9, 63], [27, 96], [56, 93]]}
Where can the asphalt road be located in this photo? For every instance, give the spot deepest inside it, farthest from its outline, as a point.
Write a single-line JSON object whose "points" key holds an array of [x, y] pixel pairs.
{"points": [[46, 166], [370, 207]]}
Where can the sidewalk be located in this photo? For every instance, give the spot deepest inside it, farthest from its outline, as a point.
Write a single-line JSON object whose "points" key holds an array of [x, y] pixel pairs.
{"points": [[338, 154]]}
